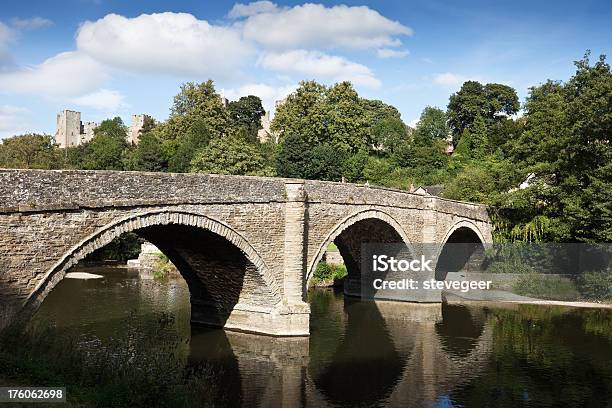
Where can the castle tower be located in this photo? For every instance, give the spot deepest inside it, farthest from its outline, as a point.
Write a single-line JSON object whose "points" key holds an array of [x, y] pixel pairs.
{"points": [[88, 131], [265, 134], [68, 131], [138, 122]]}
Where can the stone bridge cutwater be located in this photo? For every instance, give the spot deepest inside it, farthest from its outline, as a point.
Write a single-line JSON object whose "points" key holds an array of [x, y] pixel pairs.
{"points": [[246, 246]]}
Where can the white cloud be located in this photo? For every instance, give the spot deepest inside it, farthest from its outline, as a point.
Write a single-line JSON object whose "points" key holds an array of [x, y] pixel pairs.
{"points": [[167, 43], [319, 65], [314, 25], [245, 10], [391, 53], [413, 123], [66, 74], [12, 120], [102, 99], [5, 34], [267, 93], [32, 23], [451, 79]]}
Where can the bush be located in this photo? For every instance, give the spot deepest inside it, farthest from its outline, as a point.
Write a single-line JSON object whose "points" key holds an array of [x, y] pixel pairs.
{"points": [[163, 267], [596, 285], [546, 287], [328, 272]]}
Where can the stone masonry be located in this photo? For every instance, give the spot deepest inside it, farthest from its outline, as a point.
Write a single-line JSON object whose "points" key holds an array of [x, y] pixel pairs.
{"points": [[246, 246], [71, 131]]}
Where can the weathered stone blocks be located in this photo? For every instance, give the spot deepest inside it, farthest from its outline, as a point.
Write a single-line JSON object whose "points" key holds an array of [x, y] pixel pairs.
{"points": [[274, 229]]}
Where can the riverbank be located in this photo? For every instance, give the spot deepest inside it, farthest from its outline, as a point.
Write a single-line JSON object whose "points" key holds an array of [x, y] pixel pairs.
{"points": [[498, 296]]}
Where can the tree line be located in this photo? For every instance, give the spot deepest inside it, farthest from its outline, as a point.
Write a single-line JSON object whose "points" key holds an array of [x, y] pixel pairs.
{"points": [[555, 146]]}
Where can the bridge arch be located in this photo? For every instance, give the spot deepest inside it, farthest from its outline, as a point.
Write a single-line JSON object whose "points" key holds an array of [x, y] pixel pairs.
{"points": [[348, 222], [463, 244], [466, 224], [142, 221]]}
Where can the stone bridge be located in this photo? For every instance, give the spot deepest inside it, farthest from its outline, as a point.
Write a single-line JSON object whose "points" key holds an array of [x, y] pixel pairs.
{"points": [[246, 246]]}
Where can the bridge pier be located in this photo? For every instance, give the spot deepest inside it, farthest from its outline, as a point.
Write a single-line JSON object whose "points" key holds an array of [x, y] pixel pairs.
{"points": [[274, 321], [291, 316]]}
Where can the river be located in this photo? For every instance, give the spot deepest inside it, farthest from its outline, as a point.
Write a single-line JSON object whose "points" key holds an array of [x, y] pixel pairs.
{"points": [[358, 353]]}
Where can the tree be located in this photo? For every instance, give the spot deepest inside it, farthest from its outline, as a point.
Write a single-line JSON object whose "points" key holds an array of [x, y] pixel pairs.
{"points": [[230, 155], [322, 115], [387, 135], [105, 150], [463, 107], [423, 157], [492, 102], [566, 143], [30, 151], [385, 129], [245, 114], [293, 157], [345, 120], [353, 166], [302, 113], [197, 104], [148, 155], [185, 148], [325, 163], [539, 145], [585, 168], [432, 126]]}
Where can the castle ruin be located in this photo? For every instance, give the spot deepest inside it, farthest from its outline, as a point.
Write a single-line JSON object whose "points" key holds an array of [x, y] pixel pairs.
{"points": [[71, 131]]}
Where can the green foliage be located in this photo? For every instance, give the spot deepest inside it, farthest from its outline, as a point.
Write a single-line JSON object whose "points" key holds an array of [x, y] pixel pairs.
{"points": [[230, 155], [490, 101], [473, 144], [546, 287], [245, 115], [135, 370], [105, 151], [30, 151], [197, 107], [432, 126], [163, 268], [563, 139], [422, 156], [596, 285], [353, 166], [386, 130], [337, 116], [326, 163], [475, 183], [122, 248], [321, 162], [384, 172], [302, 113], [327, 273], [148, 155], [185, 148], [293, 157]]}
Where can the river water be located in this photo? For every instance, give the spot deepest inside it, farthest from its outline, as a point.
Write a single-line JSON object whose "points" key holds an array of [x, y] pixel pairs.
{"points": [[359, 353]]}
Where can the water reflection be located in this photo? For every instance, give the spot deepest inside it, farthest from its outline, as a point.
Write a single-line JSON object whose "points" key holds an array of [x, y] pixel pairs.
{"points": [[460, 329], [364, 366], [362, 353]]}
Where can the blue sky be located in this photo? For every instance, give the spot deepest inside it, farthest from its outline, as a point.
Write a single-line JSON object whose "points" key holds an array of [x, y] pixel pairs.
{"points": [[107, 58]]}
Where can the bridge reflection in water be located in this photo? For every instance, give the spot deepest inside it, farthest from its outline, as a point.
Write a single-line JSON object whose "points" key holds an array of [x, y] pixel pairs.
{"points": [[359, 354], [380, 353]]}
